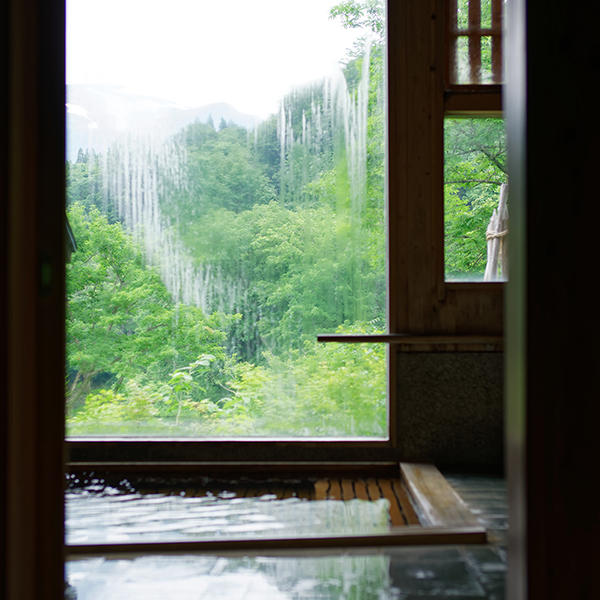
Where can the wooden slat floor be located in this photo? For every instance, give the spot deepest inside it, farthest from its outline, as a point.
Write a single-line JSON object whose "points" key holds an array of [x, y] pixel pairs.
{"points": [[401, 509]]}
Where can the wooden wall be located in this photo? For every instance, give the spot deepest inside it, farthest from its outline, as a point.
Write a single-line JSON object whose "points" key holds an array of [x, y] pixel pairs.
{"points": [[443, 412], [553, 329]]}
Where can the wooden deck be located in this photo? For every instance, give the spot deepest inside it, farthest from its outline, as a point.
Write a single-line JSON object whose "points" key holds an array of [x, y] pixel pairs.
{"points": [[401, 508]]}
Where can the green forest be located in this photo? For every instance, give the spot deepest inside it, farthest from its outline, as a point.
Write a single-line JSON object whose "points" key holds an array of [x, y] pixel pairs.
{"points": [[205, 268]]}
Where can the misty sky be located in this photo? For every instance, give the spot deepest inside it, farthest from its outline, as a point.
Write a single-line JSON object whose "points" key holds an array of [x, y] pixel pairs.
{"points": [[195, 52]]}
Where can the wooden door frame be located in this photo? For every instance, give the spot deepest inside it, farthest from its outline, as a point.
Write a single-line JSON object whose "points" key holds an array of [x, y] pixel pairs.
{"points": [[33, 116]]}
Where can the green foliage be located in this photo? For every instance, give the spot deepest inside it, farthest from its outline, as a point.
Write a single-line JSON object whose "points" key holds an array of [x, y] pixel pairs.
{"points": [[121, 321], [368, 15], [183, 385], [221, 171], [302, 275], [87, 183], [462, 44], [311, 256], [475, 168], [321, 390], [107, 411]]}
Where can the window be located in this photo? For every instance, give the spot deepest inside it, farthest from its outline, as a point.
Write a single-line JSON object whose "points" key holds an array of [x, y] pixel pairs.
{"points": [[475, 41], [425, 312], [475, 161], [266, 229], [475, 194]]}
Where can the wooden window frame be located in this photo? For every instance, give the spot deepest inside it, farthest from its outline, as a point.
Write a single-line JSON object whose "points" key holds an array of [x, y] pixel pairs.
{"points": [[474, 33], [423, 302], [475, 101]]}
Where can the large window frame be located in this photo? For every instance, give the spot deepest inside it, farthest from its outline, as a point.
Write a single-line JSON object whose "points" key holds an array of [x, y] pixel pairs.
{"points": [[425, 313]]}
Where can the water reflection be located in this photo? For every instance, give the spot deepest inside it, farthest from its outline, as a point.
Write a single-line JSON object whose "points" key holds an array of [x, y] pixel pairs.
{"points": [[250, 578], [111, 517]]}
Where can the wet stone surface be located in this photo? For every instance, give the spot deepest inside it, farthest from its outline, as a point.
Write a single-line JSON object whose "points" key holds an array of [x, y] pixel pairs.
{"points": [[260, 578], [433, 573]]}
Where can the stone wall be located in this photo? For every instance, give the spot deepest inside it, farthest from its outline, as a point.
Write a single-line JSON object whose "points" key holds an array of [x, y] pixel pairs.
{"points": [[450, 408]]}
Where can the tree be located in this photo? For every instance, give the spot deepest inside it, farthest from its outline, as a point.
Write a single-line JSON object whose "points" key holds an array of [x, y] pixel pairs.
{"points": [[87, 183], [368, 15], [221, 171], [474, 170], [121, 321], [319, 389], [296, 274]]}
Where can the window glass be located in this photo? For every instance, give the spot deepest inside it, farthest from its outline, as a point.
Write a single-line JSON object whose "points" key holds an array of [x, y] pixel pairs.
{"points": [[475, 34], [226, 193], [476, 194]]}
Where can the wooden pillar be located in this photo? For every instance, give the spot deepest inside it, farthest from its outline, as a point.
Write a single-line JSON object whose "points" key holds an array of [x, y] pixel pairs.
{"points": [[32, 230], [553, 327]]}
